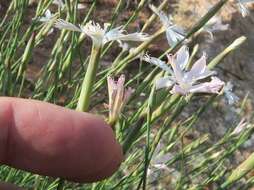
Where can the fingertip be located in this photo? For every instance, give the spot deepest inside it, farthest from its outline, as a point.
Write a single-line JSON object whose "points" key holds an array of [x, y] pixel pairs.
{"points": [[54, 141], [108, 152], [106, 171], [8, 186]]}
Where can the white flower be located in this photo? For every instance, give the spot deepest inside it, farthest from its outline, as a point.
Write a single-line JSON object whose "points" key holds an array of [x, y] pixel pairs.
{"points": [[95, 31], [230, 96], [243, 9], [99, 35], [118, 97], [173, 32], [188, 81]]}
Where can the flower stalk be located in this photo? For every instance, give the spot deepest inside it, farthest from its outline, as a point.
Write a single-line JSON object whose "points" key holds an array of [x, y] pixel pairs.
{"points": [[86, 89]]}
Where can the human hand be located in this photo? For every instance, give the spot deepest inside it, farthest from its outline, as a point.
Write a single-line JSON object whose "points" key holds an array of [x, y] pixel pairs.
{"points": [[50, 140]]}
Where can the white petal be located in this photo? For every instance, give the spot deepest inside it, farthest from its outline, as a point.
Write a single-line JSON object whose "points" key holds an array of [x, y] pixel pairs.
{"points": [[48, 14], [43, 19], [199, 71], [113, 34], [130, 37], [178, 74], [165, 82], [173, 36], [163, 17], [182, 57], [199, 66], [152, 175], [157, 62], [62, 24], [213, 86]]}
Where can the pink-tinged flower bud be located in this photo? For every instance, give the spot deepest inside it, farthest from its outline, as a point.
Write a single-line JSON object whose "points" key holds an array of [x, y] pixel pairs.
{"points": [[118, 97]]}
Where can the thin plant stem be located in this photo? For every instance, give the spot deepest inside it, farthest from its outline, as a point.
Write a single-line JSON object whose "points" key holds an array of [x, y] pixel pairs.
{"points": [[87, 85]]}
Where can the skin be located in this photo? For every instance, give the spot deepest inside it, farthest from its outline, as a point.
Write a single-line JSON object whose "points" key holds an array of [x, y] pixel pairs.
{"points": [[50, 140]]}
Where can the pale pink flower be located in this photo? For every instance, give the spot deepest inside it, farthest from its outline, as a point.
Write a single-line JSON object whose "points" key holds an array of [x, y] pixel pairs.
{"points": [[184, 80], [118, 97]]}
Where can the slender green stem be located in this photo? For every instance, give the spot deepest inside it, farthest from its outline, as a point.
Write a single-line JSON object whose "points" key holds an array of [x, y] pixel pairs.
{"points": [[87, 86]]}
